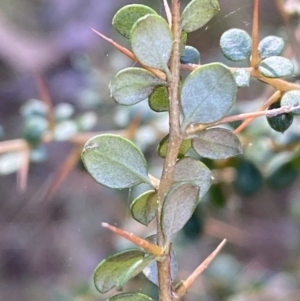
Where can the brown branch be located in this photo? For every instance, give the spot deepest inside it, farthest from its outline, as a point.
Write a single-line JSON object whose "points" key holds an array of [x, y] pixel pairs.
{"points": [[255, 38]]}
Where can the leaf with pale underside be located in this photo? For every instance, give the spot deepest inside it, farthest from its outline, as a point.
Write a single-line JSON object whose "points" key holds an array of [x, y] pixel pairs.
{"points": [[216, 143], [291, 99], [132, 85], [113, 270], [190, 170], [130, 297], [125, 17], [207, 94], [143, 208], [276, 66], [152, 41], [178, 207], [114, 161], [197, 13]]}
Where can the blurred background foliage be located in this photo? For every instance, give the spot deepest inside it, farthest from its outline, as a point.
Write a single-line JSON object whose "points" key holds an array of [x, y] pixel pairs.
{"points": [[51, 239]]}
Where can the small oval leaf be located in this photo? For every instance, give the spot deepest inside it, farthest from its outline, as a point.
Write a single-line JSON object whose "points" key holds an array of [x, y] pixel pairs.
{"points": [[132, 85], [236, 44], [291, 99], [197, 13], [114, 161], [151, 272], [159, 99], [276, 66], [190, 170], [163, 146], [130, 297], [143, 208], [178, 207], [270, 46], [280, 123], [217, 143], [190, 56], [110, 270], [124, 19], [242, 77], [207, 94], [152, 41]]}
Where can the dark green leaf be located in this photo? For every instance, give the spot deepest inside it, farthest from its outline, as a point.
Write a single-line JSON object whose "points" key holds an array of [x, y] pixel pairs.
{"points": [[152, 41], [270, 46], [151, 270], [143, 208], [197, 13], [291, 99], [281, 122], [128, 15], [113, 270], [130, 297], [163, 146], [190, 56], [159, 99], [178, 207], [114, 161], [132, 85], [217, 143], [248, 179], [189, 170], [34, 128], [276, 66], [207, 94], [236, 44]]}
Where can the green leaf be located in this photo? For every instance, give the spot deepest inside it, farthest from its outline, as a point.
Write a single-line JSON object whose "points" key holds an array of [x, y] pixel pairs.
{"points": [[197, 13], [114, 161], [291, 99], [242, 77], [152, 41], [190, 56], [132, 85], [236, 44], [159, 99], [270, 46], [207, 94], [276, 66], [113, 270], [163, 146], [280, 123], [34, 128], [33, 107], [124, 19], [217, 143], [189, 170], [130, 297], [151, 270], [143, 208], [178, 207]]}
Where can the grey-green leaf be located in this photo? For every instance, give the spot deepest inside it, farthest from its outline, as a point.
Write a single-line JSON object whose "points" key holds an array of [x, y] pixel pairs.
{"points": [[132, 85], [291, 99], [242, 77], [217, 143], [111, 270], [124, 19], [114, 161], [178, 207], [152, 41], [207, 94], [276, 66], [159, 99], [143, 208], [270, 46], [151, 270], [236, 44], [190, 55], [190, 170], [197, 13], [130, 297]]}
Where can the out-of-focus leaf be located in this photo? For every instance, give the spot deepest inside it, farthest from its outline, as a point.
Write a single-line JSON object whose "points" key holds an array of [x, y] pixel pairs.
{"points": [[34, 129], [130, 297], [115, 162]]}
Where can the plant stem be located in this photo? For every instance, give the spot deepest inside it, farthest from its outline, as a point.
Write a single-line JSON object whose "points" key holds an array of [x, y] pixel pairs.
{"points": [[255, 57], [175, 139]]}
